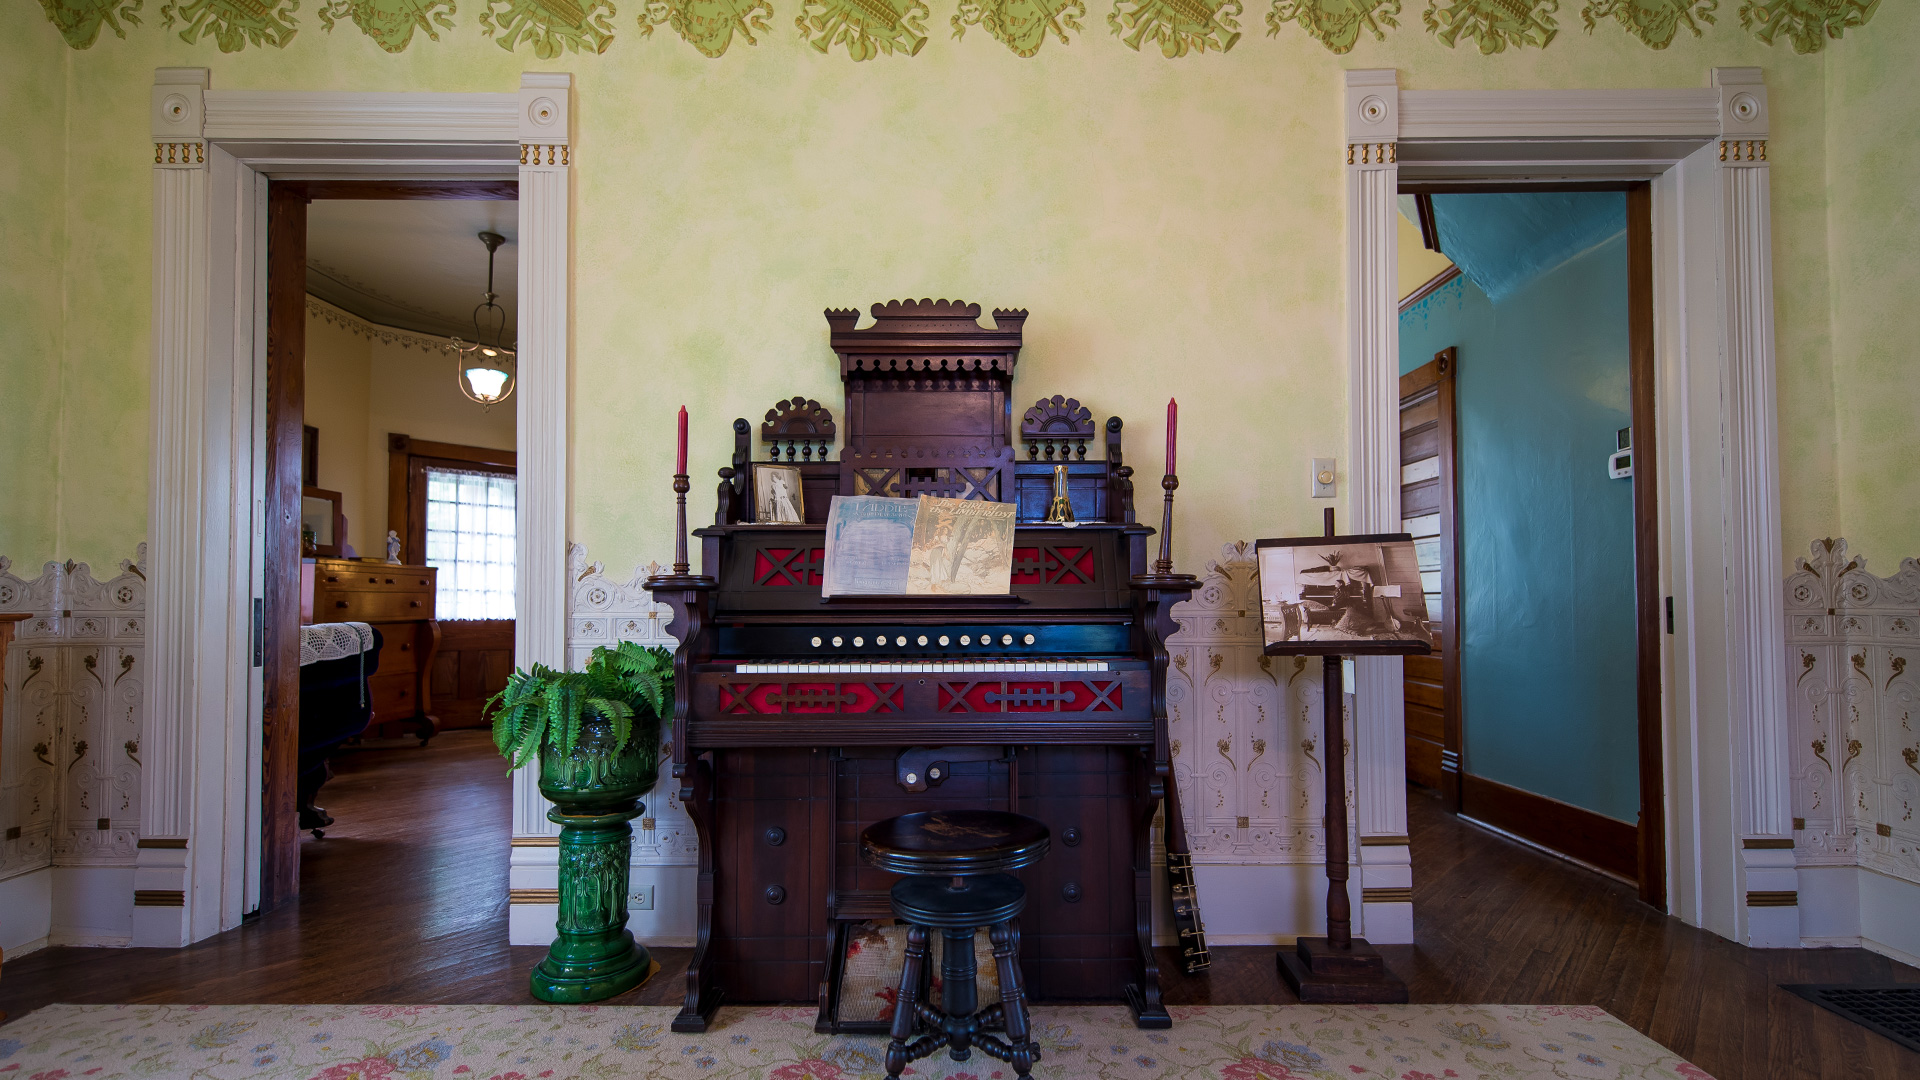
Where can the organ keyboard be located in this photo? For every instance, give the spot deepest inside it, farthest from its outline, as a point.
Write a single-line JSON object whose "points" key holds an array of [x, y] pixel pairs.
{"points": [[799, 720]]}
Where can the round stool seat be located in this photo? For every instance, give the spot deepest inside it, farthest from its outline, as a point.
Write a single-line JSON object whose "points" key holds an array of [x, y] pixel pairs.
{"points": [[954, 843], [934, 902]]}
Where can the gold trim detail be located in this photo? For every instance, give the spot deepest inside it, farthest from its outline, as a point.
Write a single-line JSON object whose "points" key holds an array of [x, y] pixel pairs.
{"points": [[535, 841], [1743, 150], [159, 898], [1781, 898], [1766, 844], [179, 842], [1386, 896], [1376, 153], [1384, 841], [546, 154], [1799, 824], [1881, 828], [179, 153], [533, 896]]}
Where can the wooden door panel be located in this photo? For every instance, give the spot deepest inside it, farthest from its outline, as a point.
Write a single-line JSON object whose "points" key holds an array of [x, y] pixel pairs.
{"points": [[1427, 504]]}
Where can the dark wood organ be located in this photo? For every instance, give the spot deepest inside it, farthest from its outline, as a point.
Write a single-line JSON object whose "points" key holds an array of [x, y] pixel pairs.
{"points": [[801, 720]]}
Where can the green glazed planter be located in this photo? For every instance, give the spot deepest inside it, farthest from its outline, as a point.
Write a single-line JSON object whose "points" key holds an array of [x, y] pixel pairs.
{"points": [[596, 792]]}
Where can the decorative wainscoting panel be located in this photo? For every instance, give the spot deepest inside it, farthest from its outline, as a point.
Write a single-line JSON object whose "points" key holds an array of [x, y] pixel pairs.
{"points": [[70, 779], [1853, 661], [601, 611], [1246, 728]]}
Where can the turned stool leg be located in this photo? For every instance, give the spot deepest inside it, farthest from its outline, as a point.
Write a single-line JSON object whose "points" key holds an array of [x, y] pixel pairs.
{"points": [[1013, 997], [906, 1002], [959, 991]]}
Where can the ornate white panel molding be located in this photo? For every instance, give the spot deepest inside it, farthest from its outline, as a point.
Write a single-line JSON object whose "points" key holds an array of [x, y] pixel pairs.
{"points": [[1852, 648], [202, 737], [1560, 114], [360, 116], [543, 111], [1375, 120], [1245, 728], [76, 675]]}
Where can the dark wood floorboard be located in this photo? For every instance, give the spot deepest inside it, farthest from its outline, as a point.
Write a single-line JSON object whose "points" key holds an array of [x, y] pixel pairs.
{"points": [[404, 901]]}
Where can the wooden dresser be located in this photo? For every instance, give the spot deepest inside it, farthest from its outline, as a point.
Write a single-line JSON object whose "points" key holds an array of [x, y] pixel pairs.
{"points": [[399, 601]]}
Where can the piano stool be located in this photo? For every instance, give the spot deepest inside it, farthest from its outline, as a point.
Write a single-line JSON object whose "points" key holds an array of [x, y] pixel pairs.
{"points": [[959, 860]]}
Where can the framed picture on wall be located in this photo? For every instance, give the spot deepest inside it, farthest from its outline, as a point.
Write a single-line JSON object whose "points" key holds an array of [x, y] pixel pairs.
{"points": [[1342, 595], [777, 498]]}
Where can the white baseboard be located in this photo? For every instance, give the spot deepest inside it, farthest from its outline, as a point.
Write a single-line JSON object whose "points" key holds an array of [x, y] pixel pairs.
{"points": [[26, 911], [1854, 907], [92, 905]]}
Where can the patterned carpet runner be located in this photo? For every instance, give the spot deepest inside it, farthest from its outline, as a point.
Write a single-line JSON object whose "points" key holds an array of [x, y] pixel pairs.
{"points": [[540, 1042]]}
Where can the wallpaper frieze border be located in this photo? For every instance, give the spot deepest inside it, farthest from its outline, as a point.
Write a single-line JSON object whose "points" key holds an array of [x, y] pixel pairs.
{"points": [[866, 29]]}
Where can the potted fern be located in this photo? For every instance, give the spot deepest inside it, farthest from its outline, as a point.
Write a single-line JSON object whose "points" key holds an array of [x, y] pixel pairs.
{"points": [[596, 733]]}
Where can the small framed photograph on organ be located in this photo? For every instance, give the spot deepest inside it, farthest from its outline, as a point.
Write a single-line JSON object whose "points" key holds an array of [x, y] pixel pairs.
{"points": [[777, 498], [1343, 595]]}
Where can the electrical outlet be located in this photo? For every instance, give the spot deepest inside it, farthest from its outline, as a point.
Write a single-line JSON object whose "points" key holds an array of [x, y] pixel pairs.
{"points": [[640, 899], [1323, 477]]}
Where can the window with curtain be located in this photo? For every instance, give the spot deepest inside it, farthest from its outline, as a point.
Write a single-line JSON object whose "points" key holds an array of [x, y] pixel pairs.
{"points": [[470, 540]]}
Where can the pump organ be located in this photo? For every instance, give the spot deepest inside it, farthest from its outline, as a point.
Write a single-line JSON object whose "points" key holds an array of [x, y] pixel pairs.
{"points": [[799, 721]]}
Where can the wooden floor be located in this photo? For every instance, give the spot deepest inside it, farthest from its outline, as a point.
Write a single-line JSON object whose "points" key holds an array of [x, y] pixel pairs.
{"points": [[404, 901]]}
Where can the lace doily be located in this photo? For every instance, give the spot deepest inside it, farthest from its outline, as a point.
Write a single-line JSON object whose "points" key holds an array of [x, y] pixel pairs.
{"points": [[334, 641]]}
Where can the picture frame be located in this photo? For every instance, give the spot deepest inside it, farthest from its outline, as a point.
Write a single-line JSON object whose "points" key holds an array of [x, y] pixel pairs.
{"points": [[778, 495], [1342, 596]]}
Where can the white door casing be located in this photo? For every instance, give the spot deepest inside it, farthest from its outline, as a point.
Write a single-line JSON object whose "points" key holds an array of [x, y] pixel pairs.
{"points": [[213, 152], [1723, 690]]}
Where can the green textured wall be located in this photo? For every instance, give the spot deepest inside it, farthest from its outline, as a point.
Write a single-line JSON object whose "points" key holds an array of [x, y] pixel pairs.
{"points": [[1873, 155], [1175, 226], [32, 208]]}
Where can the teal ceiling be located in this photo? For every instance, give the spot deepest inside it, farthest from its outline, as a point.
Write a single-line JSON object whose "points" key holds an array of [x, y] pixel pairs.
{"points": [[1501, 242]]}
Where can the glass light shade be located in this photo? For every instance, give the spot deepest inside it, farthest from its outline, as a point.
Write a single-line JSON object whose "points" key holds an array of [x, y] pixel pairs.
{"points": [[486, 372]]}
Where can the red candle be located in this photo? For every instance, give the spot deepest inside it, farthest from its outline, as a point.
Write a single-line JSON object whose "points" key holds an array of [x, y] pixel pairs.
{"points": [[680, 462], [1173, 427]]}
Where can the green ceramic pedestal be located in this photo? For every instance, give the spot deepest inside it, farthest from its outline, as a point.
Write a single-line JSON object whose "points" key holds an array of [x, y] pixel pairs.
{"points": [[596, 791], [595, 956]]}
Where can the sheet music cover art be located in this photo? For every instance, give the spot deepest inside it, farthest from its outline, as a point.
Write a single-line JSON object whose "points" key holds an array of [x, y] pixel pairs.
{"points": [[962, 547], [869, 543], [1353, 595]]}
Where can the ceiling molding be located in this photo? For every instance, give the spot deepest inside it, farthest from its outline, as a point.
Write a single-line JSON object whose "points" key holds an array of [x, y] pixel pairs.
{"points": [[372, 331]]}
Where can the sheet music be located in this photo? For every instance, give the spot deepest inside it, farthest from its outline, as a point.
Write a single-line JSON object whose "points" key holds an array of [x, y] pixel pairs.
{"points": [[961, 547], [869, 542]]}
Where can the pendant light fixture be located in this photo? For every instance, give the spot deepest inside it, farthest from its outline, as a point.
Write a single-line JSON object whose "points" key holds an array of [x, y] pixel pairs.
{"points": [[487, 370]]}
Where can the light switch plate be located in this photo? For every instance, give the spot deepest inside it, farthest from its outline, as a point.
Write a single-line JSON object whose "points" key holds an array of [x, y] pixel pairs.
{"points": [[1323, 478]]}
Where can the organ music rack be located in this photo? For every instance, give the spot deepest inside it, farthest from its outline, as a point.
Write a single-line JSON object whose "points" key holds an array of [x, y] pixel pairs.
{"points": [[799, 721]]}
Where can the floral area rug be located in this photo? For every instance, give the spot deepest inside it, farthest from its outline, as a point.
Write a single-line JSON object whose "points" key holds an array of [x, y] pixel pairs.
{"points": [[550, 1042]]}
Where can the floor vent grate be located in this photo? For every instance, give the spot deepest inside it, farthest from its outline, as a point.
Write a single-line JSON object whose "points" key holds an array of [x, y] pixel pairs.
{"points": [[1893, 1011]]}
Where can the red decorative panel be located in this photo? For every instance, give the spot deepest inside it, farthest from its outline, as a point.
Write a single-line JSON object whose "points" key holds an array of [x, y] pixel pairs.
{"points": [[1015, 696], [781, 698], [1053, 564], [788, 566]]}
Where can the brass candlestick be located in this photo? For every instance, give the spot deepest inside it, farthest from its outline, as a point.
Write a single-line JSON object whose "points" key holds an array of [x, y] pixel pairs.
{"points": [[1164, 565], [1060, 510], [680, 487]]}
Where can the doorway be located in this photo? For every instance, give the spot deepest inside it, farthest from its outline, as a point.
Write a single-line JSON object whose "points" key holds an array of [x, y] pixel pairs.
{"points": [[369, 285], [1526, 394]]}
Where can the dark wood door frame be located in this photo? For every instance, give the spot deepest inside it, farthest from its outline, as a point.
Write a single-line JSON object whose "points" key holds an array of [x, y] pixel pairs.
{"points": [[280, 659], [1602, 841], [284, 428], [407, 461]]}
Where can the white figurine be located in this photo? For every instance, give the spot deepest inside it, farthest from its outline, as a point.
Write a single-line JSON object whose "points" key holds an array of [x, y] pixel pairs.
{"points": [[393, 548]]}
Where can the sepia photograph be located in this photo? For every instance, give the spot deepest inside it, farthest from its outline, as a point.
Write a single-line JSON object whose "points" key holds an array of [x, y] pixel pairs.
{"points": [[1350, 595], [777, 499]]}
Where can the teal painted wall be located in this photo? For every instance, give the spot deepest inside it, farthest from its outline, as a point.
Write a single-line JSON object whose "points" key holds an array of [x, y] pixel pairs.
{"points": [[1546, 553]]}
